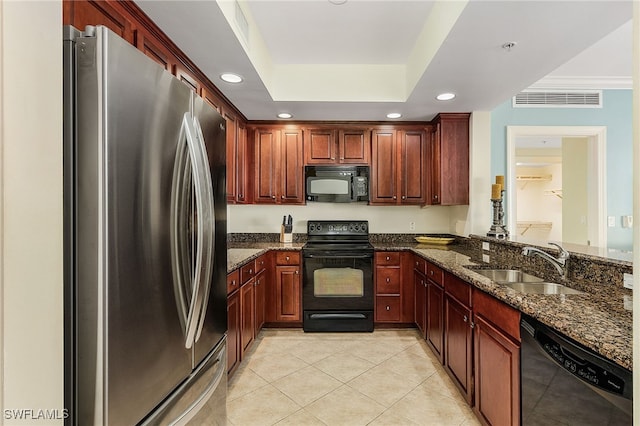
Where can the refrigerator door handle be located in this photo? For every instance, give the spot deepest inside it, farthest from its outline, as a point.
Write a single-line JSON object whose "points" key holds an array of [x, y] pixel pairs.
{"points": [[191, 172], [208, 228]]}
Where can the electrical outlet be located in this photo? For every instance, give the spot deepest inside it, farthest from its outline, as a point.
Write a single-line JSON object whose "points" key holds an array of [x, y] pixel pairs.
{"points": [[628, 281], [485, 258], [486, 246], [412, 226], [627, 221], [611, 221]]}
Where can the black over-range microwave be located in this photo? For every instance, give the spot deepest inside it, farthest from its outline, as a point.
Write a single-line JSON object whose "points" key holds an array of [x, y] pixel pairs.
{"points": [[337, 184]]}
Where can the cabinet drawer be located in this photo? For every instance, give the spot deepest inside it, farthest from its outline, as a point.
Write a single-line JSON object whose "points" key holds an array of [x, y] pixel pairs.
{"points": [[248, 271], [498, 313], [387, 308], [233, 281], [388, 258], [261, 263], [287, 258], [459, 289], [435, 274], [420, 265], [388, 280]]}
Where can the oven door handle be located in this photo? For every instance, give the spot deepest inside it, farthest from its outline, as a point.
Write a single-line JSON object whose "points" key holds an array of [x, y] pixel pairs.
{"points": [[339, 256]]}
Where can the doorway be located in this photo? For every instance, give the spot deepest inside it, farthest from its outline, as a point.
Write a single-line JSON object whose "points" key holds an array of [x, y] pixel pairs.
{"points": [[584, 220]]}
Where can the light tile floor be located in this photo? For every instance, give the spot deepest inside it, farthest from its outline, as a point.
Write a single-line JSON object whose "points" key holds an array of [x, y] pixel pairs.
{"points": [[388, 377]]}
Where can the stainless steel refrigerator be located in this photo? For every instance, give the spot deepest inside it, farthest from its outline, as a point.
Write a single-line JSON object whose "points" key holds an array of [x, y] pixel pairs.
{"points": [[145, 236]]}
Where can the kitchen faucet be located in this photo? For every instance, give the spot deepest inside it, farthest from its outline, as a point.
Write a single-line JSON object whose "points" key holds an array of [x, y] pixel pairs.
{"points": [[560, 263]]}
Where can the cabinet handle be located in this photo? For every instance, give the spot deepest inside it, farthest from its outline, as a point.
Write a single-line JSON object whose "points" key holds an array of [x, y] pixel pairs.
{"points": [[287, 258], [430, 272], [273, 197], [233, 283], [404, 197], [388, 258], [435, 197], [388, 308], [250, 271], [388, 279], [395, 198], [333, 158], [465, 319], [282, 196], [240, 195], [296, 272], [472, 325]]}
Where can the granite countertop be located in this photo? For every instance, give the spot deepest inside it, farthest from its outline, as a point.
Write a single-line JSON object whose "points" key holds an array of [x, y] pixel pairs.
{"points": [[595, 319]]}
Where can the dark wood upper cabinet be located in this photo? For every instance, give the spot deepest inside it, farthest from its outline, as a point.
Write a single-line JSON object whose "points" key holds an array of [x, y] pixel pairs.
{"points": [[150, 46], [450, 159], [231, 125], [279, 168], [399, 163], [337, 146]]}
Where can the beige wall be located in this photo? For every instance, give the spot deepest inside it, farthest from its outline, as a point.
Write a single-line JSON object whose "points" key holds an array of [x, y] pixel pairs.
{"points": [[31, 209], [575, 183]]}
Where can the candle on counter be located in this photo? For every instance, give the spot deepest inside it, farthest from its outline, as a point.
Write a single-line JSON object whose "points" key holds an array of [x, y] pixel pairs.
{"points": [[496, 191], [500, 180]]}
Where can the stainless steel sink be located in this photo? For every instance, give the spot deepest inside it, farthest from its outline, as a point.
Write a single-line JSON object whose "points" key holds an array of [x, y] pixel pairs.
{"points": [[508, 275], [541, 288]]}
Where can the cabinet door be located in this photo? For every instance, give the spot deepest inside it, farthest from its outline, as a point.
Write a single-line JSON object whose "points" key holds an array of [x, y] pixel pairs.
{"points": [[247, 317], [435, 165], [412, 166], [233, 331], [260, 298], [458, 355], [232, 159], [497, 375], [450, 154], [383, 168], [354, 146], [288, 300], [243, 164], [420, 302], [151, 47], [186, 76], [320, 146], [291, 168], [267, 142], [435, 326]]}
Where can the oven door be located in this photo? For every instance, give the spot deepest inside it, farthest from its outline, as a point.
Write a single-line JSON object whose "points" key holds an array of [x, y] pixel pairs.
{"points": [[338, 281]]}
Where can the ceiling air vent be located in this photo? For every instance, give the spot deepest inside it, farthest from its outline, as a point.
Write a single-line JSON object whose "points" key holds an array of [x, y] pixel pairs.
{"points": [[558, 99]]}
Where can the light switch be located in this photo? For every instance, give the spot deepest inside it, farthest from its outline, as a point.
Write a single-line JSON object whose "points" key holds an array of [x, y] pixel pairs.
{"points": [[627, 221], [485, 246], [611, 221]]}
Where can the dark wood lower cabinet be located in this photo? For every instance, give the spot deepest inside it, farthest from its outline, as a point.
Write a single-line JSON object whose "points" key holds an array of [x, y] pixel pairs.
{"points": [[260, 292], [435, 319], [420, 302], [233, 331], [458, 349], [497, 375], [247, 317]]}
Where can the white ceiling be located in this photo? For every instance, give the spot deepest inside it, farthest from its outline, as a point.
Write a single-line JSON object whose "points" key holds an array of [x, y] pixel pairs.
{"points": [[366, 58]]}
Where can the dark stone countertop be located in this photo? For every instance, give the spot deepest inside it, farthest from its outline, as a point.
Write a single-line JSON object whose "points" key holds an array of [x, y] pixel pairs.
{"points": [[595, 319]]}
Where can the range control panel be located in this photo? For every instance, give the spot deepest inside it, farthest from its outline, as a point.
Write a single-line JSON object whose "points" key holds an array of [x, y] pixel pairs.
{"points": [[338, 227]]}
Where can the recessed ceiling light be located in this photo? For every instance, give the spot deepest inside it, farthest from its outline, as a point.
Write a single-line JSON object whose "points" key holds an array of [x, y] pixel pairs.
{"points": [[284, 115], [445, 96], [231, 78], [394, 115]]}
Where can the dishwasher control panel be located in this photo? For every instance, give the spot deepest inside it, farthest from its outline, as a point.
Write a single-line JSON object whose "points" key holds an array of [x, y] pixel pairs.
{"points": [[586, 370]]}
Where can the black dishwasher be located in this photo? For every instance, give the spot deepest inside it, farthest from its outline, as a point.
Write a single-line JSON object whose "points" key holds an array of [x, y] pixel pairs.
{"points": [[565, 383]]}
